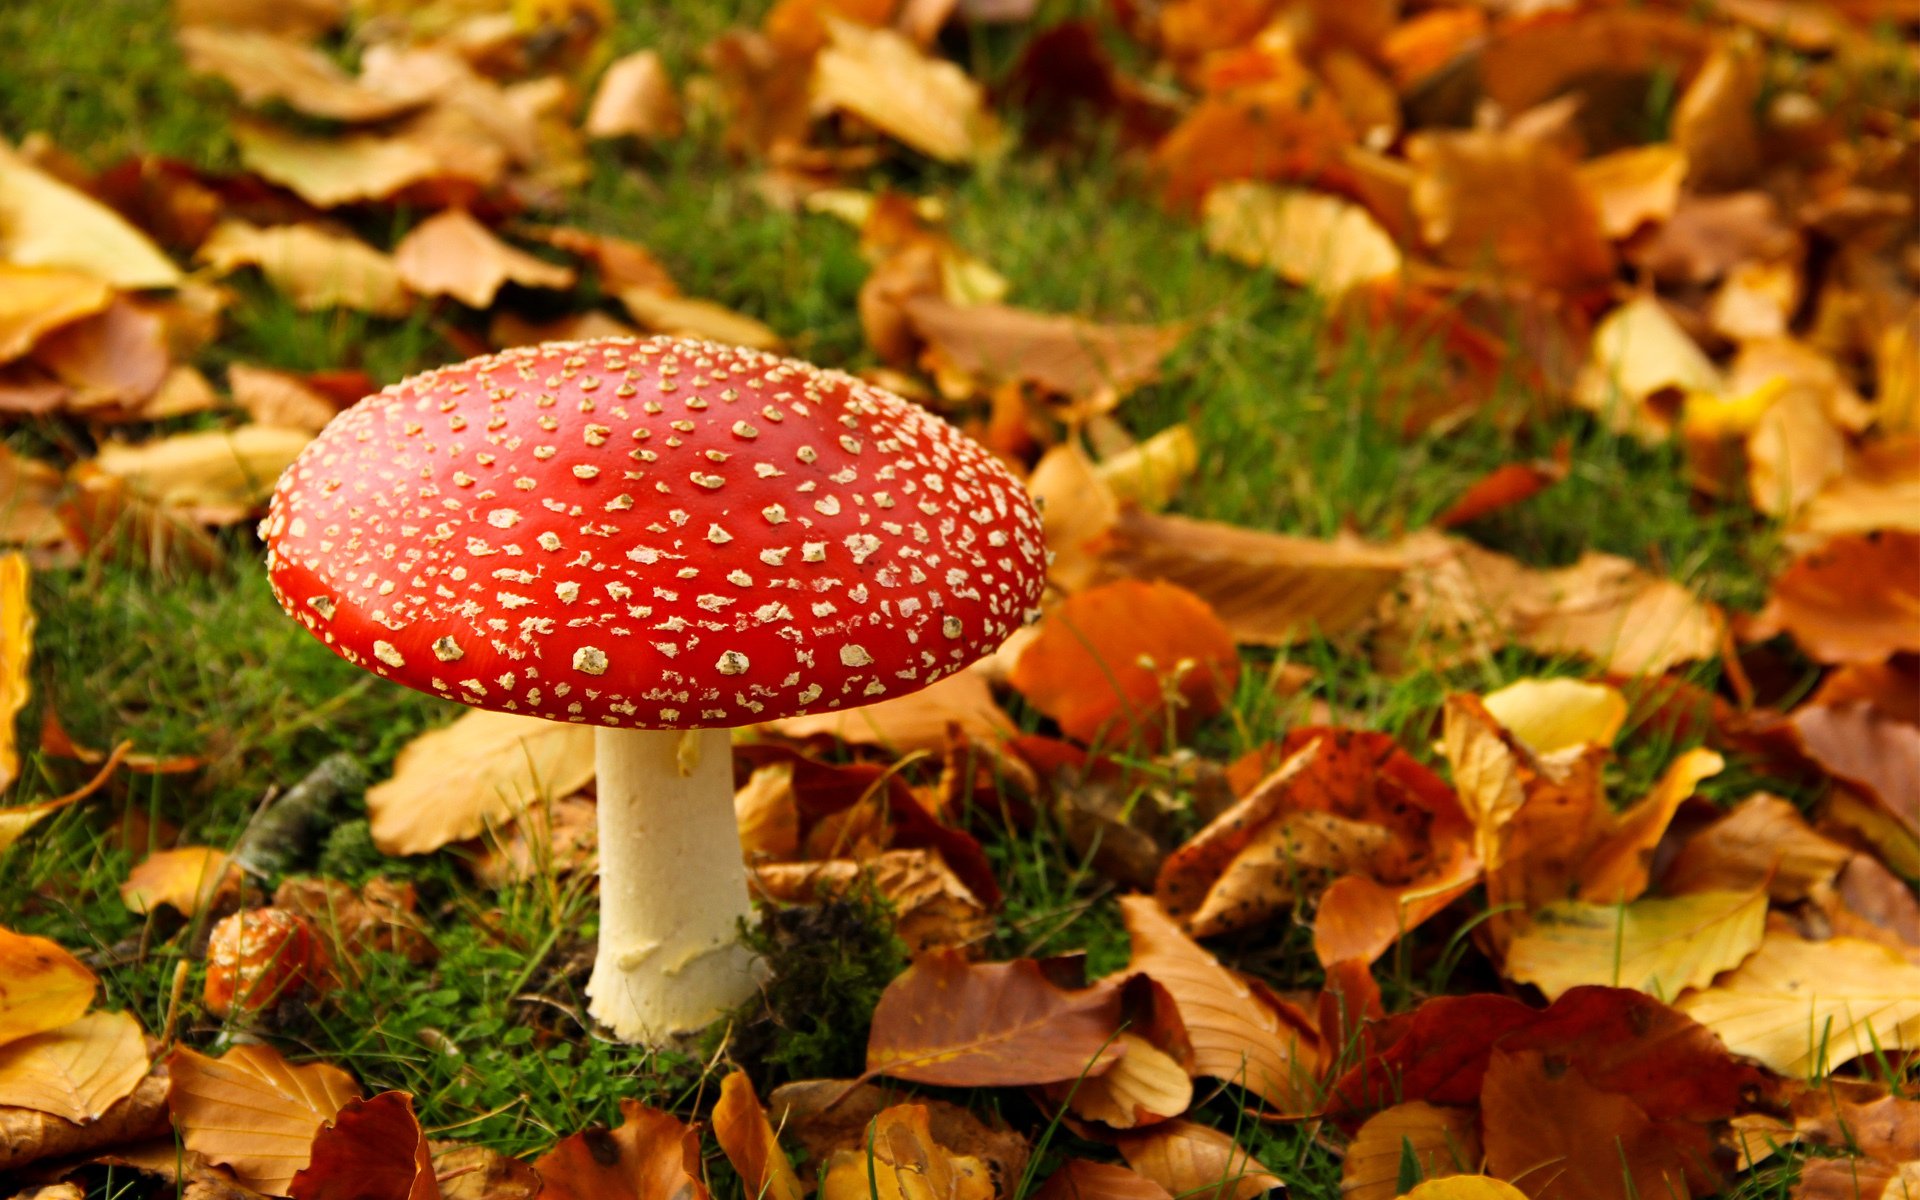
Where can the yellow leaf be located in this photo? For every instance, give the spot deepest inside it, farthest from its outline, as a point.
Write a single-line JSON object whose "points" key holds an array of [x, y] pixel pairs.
{"points": [[1639, 353], [1634, 187], [635, 98], [1149, 473], [1198, 1162], [42, 986], [1442, 1139], [77, 1071], [35, 301], [45, 223], [1549, 715], [888, 82], [1807, 1008], [680, 316], [253, 1112], [263, 66], [16, 654], [1466, 1187], [218, 476], [451, 254], [1309, 238], [312, 266], [741, 1127], [187, 879], [899, 1160], [918, 721], [335, 170], [1658, 945], [1146, 1086], [482, 770]]}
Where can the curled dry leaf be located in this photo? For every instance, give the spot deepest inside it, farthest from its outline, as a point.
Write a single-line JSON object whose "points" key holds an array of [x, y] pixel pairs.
{"points": [[253, 1112], [635, 99], [741, 1127], [1237, 1036], [953, 1023], [1853, 600], [830, 1115], [1272, 119], [1503, 487], [215, 476], [313, 266], [1318, 241], [27, 1135], [1079, 1179], [1124, 660], [1806, 1007], [1877, 758], [29, 517], [650, 1156], [932, 908], [328, 172], [78, 1071], [371, 1148], [46, 987], [468, 1172], [45, 223], [919, 721], [885, 80], [188, 879], [108, 363], [984, 345], [1762, 842], [1605, 608], [482, 770], [1147, 1086], [1642, 364], [1441, 1140], [34, 301], [1198, 1162], [451, 254], [1658, 945], [902, 1161]]}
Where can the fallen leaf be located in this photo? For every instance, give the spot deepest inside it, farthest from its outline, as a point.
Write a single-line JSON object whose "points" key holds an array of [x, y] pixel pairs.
{"points": [[313, 266], [1197, 1162], [279, 399], [1877, 757], [263, 67], [888, 82], [482, 770], [1149, 473], [902, 1161], [1607, 609], [547, 839], [1762, 842], [1509, 204], [1709, 236], [1545, 53], [620, 264], [1504, 486], [1852, 1179], [1635, 187], [1792, 453], [29, 516], [1440, 1141], [650, 1156], [1551, 715], [950, 1022], [1658, 945], [1642, 363], [112, 360], [329, 172], [740, 1126], [1466, 1187], [1854, 600], [990, 344], [44, 223], [1714, 120], [28, 1136], [826, 1116], [252, 1111], [1237, 1036], [380, 916], [46, 987], [1146, 1086], [680, 316], [77, 1071], [1121, 661], [1319, 241], [931, 907], [188, 879], [1879, 489], [371, 1148], [467, 1172], [34, 301], [290, 18], [1806, 1008], [1077, 506], [451, 254], [16, 660], [1757, 301], [635, 99], [214, 477], [1614, 869], [1279, 123], [1079, 1179], [919, 721]]}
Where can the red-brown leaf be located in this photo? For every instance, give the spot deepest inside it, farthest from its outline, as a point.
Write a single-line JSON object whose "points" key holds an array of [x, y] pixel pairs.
{"points": [[372, 1150], [651, 1156]]}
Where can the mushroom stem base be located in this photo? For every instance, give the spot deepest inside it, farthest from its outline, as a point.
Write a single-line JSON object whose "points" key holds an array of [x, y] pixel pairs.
{"points": [[673, 888]]}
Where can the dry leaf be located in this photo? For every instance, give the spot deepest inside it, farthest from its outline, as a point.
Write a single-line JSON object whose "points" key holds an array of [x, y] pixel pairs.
{"points": [[1443, 1141], [1466, 1187], [950, 1022], [1280, 122], [311, 265], [262, 67], [1805, 1008], [932, 908], [1762, 842], [215, 477], [1642, 363], [78, 1071], [482, 770], [1502, 487], [547, 839], [1658, 945], [1318, 241], [888, 82], [1614, 868], [1551, 715], [371, 1148], [113, 360], [1635, 187], [1853, 600], [635, 99], [679, 316], [16, 661], [279, 399], [1508, 204], [990, 344], [1079, 1179], [1197, 1162], [467, 1172], [919, 721], [1076, 507], [34, 301], [253, 1112], [333, 171], [902, 1161], [740, 1126], [27, 1136], [650, 1156], [1125, 660], [1236, 1035], [451, 254], [29, 516], [290, 18], [1714, 121], [188, 879], [46, 987], [45, 223], [1145, 1087], [1605, 608]]}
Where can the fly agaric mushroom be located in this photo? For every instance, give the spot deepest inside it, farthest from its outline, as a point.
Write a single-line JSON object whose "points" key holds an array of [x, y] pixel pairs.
{"points": [[654, 536]]}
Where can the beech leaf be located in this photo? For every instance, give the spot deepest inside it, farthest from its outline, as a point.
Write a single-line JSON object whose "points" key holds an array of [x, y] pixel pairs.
{"points": [[371, 1148], [652, 1155], [253, 1111], [77, 1071], [42, 986]]}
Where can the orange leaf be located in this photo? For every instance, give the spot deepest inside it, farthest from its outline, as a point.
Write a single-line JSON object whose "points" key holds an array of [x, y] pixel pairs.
{"points": [[253, 1111], [1444, 1141], [651, 1156], [1104, 662], [1198, 1162], [1236, 1035], [1502, 487], [1854, 600], [44, 986], [188, 879], [1078, 1179], [986, 344], [1763, 841], [371, 1149], [740, 1126], [900, 1160], [77, 1071], [959, 1024]]}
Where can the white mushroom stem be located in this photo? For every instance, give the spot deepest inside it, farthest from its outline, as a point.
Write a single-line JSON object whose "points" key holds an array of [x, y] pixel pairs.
{"points": [[673, 888]]}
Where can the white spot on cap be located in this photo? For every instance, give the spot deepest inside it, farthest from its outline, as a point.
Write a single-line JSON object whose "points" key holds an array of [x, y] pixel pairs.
{"points": [[950, 626], [855, 656], [717, 535], [503, 518], [590, 660], [448, 650], [385, 652], [732, 662]]}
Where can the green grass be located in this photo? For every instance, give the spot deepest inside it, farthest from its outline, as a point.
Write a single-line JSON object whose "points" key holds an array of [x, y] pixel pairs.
{"points": [[489, 1039]]}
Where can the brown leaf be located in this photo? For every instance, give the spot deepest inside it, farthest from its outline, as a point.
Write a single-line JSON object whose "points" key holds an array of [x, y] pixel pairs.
{"points": [[379, 917], [312, 265], [902, 1161], [621, 265], [1510, 204], [830, 1115], [1634, 187], [1852, 1179], [1236, 1035], [280, 399], [1614, 869], [1709, 236], [29, 516], [549, 838], [112, 360], [253, 1111], [681, 316], [950, 1022], [188, 879], [1267, 117], [263, 67], [1607, 609], [46, 987], [931, 907], [990, 344], [635, 99], [1714, 122], [482, 770], [371, 1148], [1444, 1141], [1079, 1179], [1077, 507], [1198, 1162], [328, 172], [740, 1126], [1642, 363], [1123, 660], [1763, 841], [451, 254], [651, 1156], [1875, 755], [1147, 1086], [466, 1172], [78, 1071], [1506, 485], [1853, 600]]}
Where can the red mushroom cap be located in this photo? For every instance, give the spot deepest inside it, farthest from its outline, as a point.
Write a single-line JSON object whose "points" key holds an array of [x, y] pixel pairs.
{"points": [[655, 533]]}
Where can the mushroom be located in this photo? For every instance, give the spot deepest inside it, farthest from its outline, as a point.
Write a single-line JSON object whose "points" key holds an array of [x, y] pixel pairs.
{"points": [[654, 536]]}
